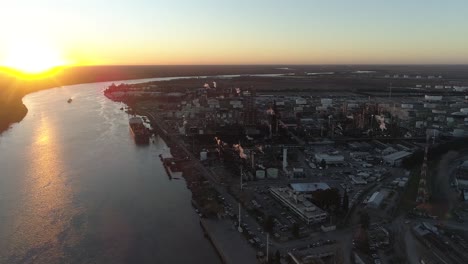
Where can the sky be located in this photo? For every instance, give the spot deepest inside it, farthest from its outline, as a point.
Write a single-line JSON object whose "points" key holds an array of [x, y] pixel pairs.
{"points": [[137, 32]]}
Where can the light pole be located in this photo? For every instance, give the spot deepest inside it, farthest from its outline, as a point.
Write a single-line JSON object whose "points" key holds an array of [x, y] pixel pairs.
{"points": [[267, 246], [239, 228], [241, 178]]}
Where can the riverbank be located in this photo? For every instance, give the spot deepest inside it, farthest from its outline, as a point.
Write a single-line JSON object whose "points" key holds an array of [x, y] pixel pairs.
{"points": [[228, 242], [11, 112], [14, 87]]}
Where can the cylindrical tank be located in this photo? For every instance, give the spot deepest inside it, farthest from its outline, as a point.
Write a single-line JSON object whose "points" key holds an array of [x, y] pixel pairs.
{"points": [[260, 174], [203, 155], [272, 173]]}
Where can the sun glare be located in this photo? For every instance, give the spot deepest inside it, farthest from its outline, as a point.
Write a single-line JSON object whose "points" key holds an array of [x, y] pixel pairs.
{"points": [[32, 58]]}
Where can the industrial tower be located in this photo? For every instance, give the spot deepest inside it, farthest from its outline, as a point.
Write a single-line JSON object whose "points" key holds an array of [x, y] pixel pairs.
{"points": [[423, 195]]}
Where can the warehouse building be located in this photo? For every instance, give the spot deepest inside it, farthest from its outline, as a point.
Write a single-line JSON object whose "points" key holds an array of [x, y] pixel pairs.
{"points": [[329, 159], [396, 158], [375, 200]]}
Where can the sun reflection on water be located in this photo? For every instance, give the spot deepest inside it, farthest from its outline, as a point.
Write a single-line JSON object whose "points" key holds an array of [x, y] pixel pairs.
{"points": [[47, 199]]}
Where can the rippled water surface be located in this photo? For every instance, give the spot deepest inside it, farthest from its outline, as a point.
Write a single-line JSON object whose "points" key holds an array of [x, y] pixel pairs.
{"points": [[74, 188]]}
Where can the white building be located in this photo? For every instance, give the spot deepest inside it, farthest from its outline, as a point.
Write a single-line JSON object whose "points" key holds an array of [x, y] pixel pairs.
{"points": [[302, 207], [395, 159], [375, 200], [433, 97]]}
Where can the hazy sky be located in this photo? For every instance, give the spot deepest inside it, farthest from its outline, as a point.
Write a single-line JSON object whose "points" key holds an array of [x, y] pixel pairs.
{"points": [[241, 31]]}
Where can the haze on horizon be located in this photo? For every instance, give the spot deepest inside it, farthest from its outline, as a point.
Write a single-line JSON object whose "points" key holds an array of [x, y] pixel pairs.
{"points": [[144, 32]]}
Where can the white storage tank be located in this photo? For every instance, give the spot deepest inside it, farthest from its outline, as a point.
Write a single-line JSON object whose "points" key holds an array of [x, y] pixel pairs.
{"points": [[203, 155], [458, 132], [260, 174], [272, 173]]}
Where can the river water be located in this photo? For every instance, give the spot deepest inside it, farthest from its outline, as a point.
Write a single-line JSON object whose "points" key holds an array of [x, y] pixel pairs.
{"points": [[74, 188]]}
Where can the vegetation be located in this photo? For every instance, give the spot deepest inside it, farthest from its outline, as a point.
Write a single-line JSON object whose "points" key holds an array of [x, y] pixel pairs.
{"points": [[345, 202], [329, 199], [277, 257], [269, 224], [295, 230], [364, 220]]}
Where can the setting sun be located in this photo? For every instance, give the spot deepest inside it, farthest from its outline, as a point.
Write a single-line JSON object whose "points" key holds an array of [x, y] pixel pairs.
{"points": [[30, 57]]}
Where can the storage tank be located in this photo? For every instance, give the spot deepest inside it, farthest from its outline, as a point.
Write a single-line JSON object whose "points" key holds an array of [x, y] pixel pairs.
{"points": [[272, 173], [203, 155], [458, 132], [260, 174]]}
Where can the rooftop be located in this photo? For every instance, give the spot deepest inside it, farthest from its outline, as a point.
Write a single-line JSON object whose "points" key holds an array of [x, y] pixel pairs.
{"points": [[309, 187], [397, 155]]}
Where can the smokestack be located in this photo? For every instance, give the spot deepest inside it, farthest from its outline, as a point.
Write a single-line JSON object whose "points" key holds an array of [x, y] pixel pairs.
{"points": [[252, 154], [285, 158]]}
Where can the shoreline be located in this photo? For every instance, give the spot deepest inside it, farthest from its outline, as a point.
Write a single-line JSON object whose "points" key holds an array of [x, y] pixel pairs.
{"points": [[13, 88]]}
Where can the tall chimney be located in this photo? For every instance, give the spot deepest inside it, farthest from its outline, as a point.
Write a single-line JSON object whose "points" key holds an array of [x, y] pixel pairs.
{"points": [[285, 158]]}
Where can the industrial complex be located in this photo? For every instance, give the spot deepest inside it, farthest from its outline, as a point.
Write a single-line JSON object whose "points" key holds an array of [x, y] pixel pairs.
{"points": [[310, 175]]}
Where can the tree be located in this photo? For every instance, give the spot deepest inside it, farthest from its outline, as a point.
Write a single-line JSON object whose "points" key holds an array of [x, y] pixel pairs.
{"points": [[345, 201], [277, 257], [328, 199], [269, 224], [364, 220], [295, 230], [323, 163]]}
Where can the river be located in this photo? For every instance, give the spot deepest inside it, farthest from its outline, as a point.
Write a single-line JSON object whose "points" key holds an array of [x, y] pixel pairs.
{"points": [[74, 188]]}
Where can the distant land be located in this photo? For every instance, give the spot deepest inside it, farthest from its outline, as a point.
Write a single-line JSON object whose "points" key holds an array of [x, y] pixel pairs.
{"points": [[12, 88]]}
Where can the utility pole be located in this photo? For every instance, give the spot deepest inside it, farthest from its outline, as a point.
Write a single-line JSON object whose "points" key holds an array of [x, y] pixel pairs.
{"points": [[267, 246], [241, 178], [239, 228]]}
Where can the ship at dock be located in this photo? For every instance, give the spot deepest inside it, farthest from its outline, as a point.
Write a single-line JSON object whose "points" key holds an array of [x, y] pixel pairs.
{"points": [[139, 131]]}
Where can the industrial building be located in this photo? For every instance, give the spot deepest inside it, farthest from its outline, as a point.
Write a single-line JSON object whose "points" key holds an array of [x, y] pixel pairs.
{"points": [[329, 159], [298, 203], [375, 200], [307, 188], [396, 158]]}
